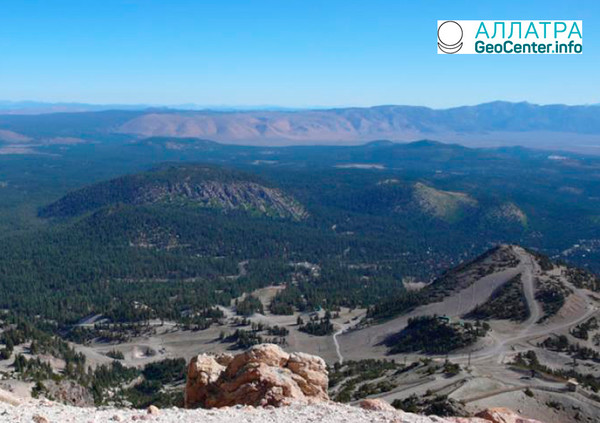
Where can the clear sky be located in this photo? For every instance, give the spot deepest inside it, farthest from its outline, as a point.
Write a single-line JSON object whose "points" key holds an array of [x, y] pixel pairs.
{"points": [[285, 52]]}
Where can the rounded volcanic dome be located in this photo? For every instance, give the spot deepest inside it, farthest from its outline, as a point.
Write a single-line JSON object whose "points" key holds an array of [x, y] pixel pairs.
{"points": [[450, 33]]}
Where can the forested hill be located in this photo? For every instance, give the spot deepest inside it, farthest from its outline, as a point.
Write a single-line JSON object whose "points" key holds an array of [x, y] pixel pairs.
{"points": [[199, 185]]}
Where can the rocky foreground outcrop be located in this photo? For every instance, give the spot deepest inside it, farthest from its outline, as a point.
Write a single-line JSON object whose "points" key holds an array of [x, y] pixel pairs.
{"points": [[263, 375], [248, 387]]}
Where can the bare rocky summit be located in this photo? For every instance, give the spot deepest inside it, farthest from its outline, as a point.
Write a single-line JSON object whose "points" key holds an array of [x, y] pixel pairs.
{"points": [[241, 195]]}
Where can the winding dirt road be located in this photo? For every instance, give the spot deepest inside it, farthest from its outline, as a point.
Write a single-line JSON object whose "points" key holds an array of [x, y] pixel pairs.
{"points": [[503, 343], [368, 340], [337, 345]]}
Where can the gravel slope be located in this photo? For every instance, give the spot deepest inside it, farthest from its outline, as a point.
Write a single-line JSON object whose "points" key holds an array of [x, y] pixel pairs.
{"points": [[37, 411]]}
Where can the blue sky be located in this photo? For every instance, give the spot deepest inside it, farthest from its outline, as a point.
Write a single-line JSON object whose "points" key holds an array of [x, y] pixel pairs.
{"points": [[286, 52]]}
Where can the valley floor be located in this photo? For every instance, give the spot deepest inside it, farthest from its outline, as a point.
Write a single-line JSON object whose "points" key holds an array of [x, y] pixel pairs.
{"points": [[486, 377]]}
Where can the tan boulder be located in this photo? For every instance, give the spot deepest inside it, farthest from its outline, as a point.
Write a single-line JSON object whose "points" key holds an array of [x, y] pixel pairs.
{"points": [[261, 376], [504, 415], [258, 384], [269, 354], [310, 372], [203, 370]]}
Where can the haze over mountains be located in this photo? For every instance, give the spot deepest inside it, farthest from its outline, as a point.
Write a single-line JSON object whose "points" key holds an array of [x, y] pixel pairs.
{"points": [[572, 128]]}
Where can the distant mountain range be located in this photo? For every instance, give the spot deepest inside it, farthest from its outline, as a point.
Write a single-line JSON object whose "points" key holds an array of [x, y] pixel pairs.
{"points": [[29, 107], [574, 128]]}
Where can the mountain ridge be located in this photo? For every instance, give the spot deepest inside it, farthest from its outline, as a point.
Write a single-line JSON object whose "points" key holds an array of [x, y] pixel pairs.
{"points": [[575, 128], [350, 125]]}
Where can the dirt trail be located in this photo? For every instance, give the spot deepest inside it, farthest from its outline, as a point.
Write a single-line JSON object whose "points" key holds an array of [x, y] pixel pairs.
{"points": [[529, 269], [343, 328], [337, 345]]}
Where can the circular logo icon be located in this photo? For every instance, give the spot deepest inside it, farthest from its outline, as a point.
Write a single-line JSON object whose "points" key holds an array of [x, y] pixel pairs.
{"points": [[450, 35]]}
